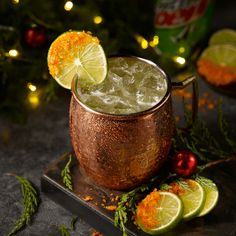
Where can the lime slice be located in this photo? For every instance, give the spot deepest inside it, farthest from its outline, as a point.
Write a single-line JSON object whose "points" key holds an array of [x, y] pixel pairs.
{"points": [[77, 54], [159, 212], [212, 195], [217, 64], [224, 55], [224, 36], [192, 195]]}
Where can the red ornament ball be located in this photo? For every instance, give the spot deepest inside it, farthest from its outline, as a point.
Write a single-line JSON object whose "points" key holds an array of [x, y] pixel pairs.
{"points": [[35, 36], [184, 163]]}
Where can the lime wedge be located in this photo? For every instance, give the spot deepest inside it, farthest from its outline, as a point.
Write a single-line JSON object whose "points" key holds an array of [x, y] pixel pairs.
{"points": [[212, 195], [224, 36], [159, 212], [192, 195], [77, 54], [224, 55]]}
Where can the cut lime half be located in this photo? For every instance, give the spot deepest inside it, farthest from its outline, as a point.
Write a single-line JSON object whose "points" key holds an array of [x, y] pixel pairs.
{"points": [[217, 64], [224, 55], [224, 36], [77, 54], [156, 216]]}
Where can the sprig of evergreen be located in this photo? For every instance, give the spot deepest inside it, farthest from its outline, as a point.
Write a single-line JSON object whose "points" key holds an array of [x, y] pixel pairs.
{"points": [[202, 142], [64, 230], [128, 203], [164, 186], [206, 182], [31, 204], [65, 174], [183, 184]]}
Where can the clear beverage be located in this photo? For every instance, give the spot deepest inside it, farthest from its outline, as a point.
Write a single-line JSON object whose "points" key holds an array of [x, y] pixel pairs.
{"points": [[132, 85]]}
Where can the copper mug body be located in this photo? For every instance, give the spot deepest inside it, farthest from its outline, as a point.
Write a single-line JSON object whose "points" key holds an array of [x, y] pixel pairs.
{"points": [[122, 151]]}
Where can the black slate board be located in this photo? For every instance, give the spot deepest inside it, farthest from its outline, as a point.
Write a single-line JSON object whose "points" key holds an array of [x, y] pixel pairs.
{"points": [[93, 211], [221, 221]]}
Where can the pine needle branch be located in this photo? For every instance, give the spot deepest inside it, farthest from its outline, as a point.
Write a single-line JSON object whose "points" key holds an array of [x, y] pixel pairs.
{"points": [[128, 204], [202, 142], [30, 201], [205, 182], [64, 230], [65, 174]]}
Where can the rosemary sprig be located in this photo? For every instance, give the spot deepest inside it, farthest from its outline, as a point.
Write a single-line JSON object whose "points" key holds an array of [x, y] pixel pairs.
{"points": [[31, 203], [65, 174], [64, 230]]}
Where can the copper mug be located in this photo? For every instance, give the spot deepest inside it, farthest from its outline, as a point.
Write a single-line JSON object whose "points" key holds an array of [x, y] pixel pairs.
{"points": [[122, 151]]}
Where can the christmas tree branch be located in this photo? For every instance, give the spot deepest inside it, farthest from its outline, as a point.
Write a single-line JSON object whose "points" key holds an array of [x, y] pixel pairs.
{"points": [[65, 174], [31, 203]]}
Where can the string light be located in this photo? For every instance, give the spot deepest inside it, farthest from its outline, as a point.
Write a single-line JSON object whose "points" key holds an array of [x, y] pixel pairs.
{"points": [[181, 49], [154, 42], [31, 87], [68, 5], [97, 20], [33, 99], [15, 1], [33, 96], [142, 41], [179, 60], [13, 53], [144, 44]]}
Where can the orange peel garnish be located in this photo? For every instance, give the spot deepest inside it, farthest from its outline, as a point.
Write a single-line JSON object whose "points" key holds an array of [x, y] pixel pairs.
{"points": [[216, 74], [146, 209], [62, 45]]}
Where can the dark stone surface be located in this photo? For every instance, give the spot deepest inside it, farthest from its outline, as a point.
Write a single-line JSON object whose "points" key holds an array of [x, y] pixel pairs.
{"points": [[26, 150]]}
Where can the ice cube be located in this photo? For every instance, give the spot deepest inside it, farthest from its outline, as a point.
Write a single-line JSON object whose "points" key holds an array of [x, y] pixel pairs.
{"points": [[131, 86]]}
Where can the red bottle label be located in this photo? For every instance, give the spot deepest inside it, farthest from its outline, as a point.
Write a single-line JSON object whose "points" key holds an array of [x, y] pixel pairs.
{"points": [[172, 13]]}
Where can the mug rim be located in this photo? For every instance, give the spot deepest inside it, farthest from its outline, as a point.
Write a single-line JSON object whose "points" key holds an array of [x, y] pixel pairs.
{"points": [[129, 115]]}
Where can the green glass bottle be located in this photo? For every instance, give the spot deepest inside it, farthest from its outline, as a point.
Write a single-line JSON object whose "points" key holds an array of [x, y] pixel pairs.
{"points": [[181, 25]]}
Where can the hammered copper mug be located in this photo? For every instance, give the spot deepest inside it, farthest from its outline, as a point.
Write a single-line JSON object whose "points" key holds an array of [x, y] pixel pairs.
{"points": [[122, 151]]}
